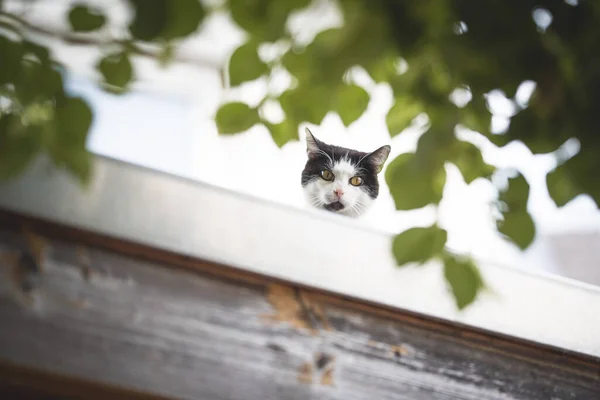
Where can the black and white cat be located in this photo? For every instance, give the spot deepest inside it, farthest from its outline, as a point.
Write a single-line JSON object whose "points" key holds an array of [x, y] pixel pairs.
{"points": [[341, 180]]}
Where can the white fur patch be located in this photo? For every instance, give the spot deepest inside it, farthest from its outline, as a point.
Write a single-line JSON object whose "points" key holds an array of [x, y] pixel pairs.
{"points": [[355, 200]]}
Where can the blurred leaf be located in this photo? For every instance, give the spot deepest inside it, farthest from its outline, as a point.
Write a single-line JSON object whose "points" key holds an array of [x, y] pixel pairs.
{"points": [[306, 103], [11, 53], [42, 53], [561, 187], [117, 70], [264, 20], [350, 103], [467, 157], [150, 18], [283, 132], [401, 115], [383, 69], [518, 225], [476, 116], [85, 19], [74, 119], [236, 117], [418, 245], [245, 65], [18, 146], [413, 185], [183, 18], [37, 82], [321, 62], [517, 193], [464, 279], [533, 131]]}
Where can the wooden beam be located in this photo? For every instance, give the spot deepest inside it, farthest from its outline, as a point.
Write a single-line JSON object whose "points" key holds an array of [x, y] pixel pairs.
{"points": [[129, 317]]}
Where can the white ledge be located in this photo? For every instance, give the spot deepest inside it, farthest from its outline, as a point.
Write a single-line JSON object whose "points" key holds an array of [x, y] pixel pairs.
{"points": [[311, 248]]}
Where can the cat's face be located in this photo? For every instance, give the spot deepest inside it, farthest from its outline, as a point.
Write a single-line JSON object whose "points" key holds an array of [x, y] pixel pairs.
{"points": [[341, 180]]}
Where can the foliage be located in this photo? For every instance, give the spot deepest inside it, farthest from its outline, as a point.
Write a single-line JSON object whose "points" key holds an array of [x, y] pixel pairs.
{"points": [[474, 46]]}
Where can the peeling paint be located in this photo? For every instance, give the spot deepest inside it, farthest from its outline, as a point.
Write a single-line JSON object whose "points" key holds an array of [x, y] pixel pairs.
{"points": [[305, 373], [327, 378]]}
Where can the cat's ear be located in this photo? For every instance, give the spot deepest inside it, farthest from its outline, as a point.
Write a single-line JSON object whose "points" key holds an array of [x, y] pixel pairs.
{"points": [[312, 144], [378, 157]]}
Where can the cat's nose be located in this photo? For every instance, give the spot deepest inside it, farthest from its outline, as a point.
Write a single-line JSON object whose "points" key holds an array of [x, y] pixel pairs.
{"points": [[338, 192]]}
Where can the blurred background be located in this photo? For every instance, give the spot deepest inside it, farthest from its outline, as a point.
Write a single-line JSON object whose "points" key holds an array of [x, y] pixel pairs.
{"points": [[166, 122]]}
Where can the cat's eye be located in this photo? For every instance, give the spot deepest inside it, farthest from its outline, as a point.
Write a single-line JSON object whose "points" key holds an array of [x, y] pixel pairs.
{"points": [[327, 175], [356, 181]]}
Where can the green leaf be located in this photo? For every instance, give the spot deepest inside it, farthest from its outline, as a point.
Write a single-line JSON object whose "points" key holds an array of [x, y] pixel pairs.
{"points": [[245, 65], [184, 18], [464, 279], [85, 19], [74, 119], [235, 118], [384, 68], [165, 19], [264, 20], [117, 71], [418, 245], [412, 184], [38, 82], [41, 52], [18, 146], [350, 103], [283, 132], [306, 103], [11, 54], [149, 20], [561, 187], [467, 157], [517, 225], [321, 62], [517, 193], [401, 115]]}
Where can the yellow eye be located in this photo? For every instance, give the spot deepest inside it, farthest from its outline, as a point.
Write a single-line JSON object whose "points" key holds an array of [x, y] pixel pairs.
{"points": [[356, 181], [327, 175]]}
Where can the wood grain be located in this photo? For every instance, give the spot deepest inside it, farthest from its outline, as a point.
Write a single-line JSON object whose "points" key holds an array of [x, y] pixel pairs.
{"points": [[135, 320]]}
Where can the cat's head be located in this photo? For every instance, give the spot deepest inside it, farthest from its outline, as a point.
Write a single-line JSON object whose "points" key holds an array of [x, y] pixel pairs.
{"points": [[341, 180]]}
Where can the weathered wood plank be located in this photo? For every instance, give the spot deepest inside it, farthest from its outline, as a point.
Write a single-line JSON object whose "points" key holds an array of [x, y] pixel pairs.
{"points": [[127, 322]]}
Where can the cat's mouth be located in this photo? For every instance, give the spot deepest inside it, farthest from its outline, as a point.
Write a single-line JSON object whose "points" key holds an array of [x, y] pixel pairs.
{"points": [[335, 206]]}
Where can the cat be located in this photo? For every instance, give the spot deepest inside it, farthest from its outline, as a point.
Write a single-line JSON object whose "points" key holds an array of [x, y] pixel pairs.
{"points": [[341, 180]]}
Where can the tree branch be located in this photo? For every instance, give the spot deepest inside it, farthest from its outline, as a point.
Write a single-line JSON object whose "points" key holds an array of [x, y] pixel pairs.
{"points": [[85, 40]]}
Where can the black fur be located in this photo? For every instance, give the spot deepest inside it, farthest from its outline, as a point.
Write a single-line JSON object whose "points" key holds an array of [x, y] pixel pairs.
{"points": [[317, 162]]}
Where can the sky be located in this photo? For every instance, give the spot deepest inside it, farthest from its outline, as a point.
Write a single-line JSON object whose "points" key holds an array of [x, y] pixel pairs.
{"points": [[166, 123]]}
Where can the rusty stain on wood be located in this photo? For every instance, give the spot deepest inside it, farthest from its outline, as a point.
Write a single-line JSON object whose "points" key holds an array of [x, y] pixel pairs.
{"points": [[286, 307], [327, 378], [305, 373], [314, 310], [36, 246]]}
